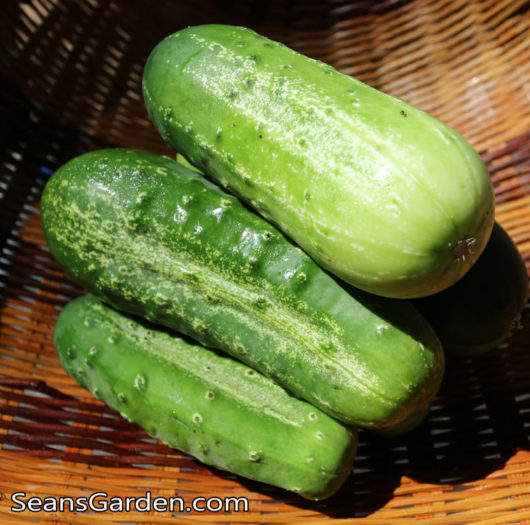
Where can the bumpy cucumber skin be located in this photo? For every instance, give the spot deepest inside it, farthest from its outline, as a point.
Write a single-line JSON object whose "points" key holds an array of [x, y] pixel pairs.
{"points": [[383, 195], [216, 409], [155, 239], [481, 310]]}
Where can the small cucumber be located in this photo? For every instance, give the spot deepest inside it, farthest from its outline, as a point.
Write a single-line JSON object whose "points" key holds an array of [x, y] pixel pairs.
{"points": [[216, 409], [378, 192], [481, 310], [155, 239]]}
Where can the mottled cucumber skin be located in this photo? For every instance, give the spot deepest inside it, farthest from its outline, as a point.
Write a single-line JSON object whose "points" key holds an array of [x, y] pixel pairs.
{"points": [[155, 239], [481, 310], [215, 408], [378, 192]]}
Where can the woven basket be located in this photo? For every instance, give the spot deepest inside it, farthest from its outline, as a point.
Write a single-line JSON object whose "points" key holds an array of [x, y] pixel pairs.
{"points": [[71, 82]]}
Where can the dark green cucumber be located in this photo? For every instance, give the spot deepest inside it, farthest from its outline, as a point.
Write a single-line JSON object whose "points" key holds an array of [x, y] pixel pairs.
{"points": [[155, 239], [216, 409], [378, 192], [481, 310]]}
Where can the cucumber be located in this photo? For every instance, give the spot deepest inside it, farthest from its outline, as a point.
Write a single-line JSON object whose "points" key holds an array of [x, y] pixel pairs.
{"points": [[216, 409], [481, 310], [155, 239], [183, 162], [378, 192]]}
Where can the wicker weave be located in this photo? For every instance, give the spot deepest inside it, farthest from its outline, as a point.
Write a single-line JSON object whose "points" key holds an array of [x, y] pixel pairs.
{"points": [[71, 75]]}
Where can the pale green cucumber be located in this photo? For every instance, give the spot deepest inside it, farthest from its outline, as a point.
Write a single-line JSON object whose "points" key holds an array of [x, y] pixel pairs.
{"points": [[380, 193]]}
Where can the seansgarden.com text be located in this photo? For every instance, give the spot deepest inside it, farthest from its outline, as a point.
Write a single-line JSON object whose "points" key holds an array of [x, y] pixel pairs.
{"points": [[101, 502]]}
